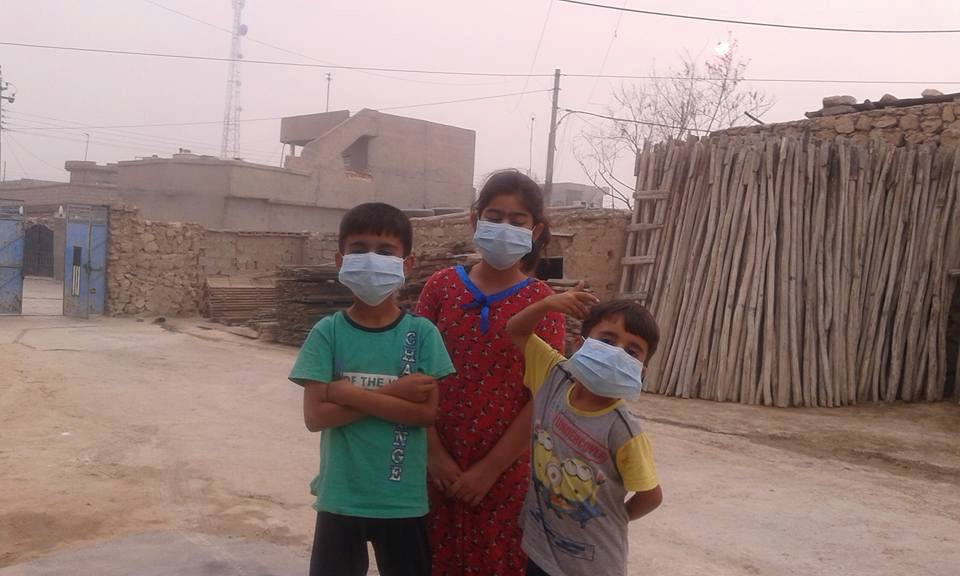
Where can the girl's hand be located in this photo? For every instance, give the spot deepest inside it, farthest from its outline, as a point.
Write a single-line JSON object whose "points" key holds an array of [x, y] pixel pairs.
{"points": [[443, 470], [473, 485], [574, 303]]}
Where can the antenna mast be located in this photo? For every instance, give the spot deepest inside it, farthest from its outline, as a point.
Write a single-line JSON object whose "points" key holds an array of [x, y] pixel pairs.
{"points": [[230, 142]]}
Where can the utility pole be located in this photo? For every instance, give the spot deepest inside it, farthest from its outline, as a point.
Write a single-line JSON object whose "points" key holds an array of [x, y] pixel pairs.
{"points": [[86, 147], [3, 88], [533, 118], [329, 79], [552, 140]]}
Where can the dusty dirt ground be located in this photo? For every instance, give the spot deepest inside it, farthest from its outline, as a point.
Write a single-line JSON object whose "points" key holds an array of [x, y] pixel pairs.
{"points": [[111, 428]]}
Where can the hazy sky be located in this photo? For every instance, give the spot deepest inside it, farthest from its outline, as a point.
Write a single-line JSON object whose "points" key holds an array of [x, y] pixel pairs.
{"points": [[59, 88]]}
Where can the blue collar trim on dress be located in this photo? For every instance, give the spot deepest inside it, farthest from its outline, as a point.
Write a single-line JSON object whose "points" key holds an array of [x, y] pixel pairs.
{"points": [[482, 301]]}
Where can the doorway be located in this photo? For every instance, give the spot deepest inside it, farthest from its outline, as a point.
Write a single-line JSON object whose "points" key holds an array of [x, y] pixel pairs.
{"points": [[38, 251], [42, 287], [53, 264]]}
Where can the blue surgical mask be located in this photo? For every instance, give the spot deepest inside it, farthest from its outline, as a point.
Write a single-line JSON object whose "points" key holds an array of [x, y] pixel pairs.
{"points": [[372, 277], [606, 370], [501, 244]]}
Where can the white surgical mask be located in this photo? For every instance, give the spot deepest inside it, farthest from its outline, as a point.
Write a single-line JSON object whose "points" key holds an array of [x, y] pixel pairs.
{"points": [[372, 277], [606, 370], [502, 245]]}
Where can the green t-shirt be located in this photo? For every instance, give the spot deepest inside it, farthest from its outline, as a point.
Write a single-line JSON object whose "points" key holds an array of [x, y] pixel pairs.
{"points": [[372, 468]]}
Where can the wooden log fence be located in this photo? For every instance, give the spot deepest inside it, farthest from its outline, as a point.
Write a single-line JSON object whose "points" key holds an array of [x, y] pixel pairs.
{"points": [[791, 272]]}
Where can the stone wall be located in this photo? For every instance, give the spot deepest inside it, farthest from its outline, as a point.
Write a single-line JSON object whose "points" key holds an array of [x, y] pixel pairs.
{"points": [[594, 251], [437, 235], [160, 268], [153, 267], [937, 123], [320, 249], [227, 253]]}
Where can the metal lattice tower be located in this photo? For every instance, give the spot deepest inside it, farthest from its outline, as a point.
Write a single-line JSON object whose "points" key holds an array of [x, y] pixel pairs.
{"points": [[230, 142]]}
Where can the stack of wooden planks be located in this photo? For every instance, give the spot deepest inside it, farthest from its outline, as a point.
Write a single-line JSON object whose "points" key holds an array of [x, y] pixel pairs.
{"points": [[800, 273], [305, 294], [426, 266], [237, 301]]}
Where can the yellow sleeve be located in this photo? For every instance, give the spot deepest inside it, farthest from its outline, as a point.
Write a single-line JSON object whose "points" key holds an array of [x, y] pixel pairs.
{"points": [[635, 464], [538, 358]]}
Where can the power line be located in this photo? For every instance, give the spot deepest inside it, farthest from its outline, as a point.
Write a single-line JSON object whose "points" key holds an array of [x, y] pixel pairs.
{"points": [[30, 152], [129, 141], [110, 142], [536, 51], [189, 17], [27, 130], [763, 24], [606, 55], [329, 64], [147, 148], [62, 124], [469, 73], [274, 118], [16, 157], [270, 62], [63, 138], [765, 80], [475, 99], [173, 124], [632, 121]]}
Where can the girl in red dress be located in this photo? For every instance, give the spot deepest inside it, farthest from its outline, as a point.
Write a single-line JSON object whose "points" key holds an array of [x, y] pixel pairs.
{"points": [[478, 448]]}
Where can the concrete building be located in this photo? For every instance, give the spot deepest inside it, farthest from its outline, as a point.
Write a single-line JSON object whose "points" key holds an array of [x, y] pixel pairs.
{"points": [[565, 194], [372, 156], [336, 161]]}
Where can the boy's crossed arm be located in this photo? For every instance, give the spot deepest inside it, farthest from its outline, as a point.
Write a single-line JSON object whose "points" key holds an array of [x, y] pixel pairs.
{"points": [[410, 400]]}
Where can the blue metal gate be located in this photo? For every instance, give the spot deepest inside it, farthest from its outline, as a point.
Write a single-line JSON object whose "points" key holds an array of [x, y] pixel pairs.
{"points": [[11, 257], [85, 261]]}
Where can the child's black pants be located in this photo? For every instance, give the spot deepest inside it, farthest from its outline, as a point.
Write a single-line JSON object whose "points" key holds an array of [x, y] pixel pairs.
{"points": [[340, 546]]}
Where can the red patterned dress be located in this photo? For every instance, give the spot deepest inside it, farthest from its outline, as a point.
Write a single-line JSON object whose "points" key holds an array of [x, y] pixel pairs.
{"points": [[477, 405]]}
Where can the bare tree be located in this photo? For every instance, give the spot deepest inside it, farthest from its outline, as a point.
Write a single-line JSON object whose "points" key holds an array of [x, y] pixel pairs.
{"points": [[697, 99]]}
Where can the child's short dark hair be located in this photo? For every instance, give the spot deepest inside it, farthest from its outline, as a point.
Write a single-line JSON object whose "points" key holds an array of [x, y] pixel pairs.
{"points": [[377, 218], [636, 319]]}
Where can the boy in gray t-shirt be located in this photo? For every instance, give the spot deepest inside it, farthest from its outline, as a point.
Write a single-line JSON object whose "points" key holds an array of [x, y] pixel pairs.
{"points": [[588, 451]]}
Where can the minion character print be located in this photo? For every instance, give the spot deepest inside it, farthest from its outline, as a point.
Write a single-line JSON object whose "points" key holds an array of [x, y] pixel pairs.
{"points": [[569, 486]]}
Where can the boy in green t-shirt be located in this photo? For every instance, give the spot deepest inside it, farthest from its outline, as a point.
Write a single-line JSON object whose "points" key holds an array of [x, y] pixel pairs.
{"points": [[369, 378]]}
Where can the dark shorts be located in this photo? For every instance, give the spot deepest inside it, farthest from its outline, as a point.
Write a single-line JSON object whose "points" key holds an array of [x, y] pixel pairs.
{"points": [[534, 570], [340, 546]]}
